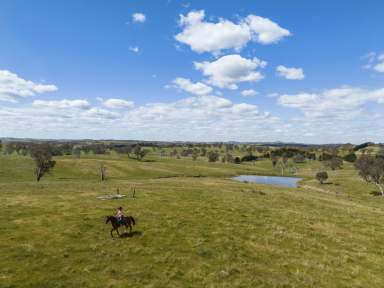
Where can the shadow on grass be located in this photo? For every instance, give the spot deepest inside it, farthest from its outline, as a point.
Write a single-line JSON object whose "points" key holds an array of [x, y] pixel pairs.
{"points": [[375, 193], [331, 183], [131, 234]]}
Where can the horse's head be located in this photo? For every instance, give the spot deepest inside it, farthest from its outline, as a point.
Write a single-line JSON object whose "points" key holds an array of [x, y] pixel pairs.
{"points": [[109, 218]]}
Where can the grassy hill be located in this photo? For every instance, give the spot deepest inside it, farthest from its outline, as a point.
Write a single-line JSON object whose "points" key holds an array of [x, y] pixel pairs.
{"points": [[195, 226]]}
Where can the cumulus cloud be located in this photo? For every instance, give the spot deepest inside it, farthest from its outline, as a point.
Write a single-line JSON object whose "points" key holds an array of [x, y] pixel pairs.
{"points": [[379, 66], [375, 61], [62, 104], [192, 118], [249, 93], [344, 102], [203, 36], [290, 73], [139, 17], [187, 85], [114, 103], [99, 113], [229, 70], [134, 49], [13, 88], [264, 30]]}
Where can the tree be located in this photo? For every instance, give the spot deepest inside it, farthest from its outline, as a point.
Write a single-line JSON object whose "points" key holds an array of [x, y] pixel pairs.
{"points": [[103, 171], [195, 154], [213, 156], [282, 163], [371, 169], [174, 153], [228, 158], [350, 157], [274, 160], [76, 152], [249, 157], [299, 158], [335, 163], [321, 176], [42, 156], [139, 152]]}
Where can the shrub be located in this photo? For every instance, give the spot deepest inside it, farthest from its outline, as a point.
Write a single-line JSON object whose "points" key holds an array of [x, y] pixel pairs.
{"points": [[213, 156], [322, 176], [248, 158], [350, 157]]}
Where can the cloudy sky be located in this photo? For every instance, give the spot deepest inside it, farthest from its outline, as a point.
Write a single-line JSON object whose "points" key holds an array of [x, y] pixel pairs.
{"points": [[301, 71]]}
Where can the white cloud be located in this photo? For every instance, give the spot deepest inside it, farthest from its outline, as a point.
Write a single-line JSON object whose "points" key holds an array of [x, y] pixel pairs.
{"points": [[379, 67], [100, 114], [12, 87], [375, 61], [193, 118], [229, 70], [118, 103], [212, 37], [187, 85], [134, 49], [138, 17], [264, 30], [62, 104], [290, 73], [345, 102], [209, 118], [249, 93]]}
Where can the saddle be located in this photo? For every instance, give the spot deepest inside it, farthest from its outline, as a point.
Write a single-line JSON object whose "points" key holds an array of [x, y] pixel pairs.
{"points": [[120, 220]]}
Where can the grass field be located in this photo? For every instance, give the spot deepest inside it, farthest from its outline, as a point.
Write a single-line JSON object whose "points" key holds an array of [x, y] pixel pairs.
{"points": [[195, 226]]}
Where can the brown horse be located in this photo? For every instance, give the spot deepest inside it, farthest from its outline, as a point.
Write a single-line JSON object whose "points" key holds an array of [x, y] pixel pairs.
{"points": [[127, 221]]}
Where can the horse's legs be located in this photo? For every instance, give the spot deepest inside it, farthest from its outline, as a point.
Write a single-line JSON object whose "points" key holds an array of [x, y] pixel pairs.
{"points": [[130, 228], [111, 232]]}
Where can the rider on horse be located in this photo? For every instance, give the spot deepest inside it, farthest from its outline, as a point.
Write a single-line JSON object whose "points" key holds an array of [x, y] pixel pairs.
{"points": [[120, 215]]}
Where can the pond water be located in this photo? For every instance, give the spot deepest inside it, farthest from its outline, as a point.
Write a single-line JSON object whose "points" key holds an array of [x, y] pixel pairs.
{"points": [[271, 180]]}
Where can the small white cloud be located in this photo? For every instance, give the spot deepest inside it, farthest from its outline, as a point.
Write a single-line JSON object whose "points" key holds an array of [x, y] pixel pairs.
{"points": [[134, 49], [375, 61], [379, 67], [114, 103], [62, 104], [138, 17], [187, 85], [203, 36], [290, 73], [100, 114], [229, 70], [249, 93], [12, 87], [264, 30]]}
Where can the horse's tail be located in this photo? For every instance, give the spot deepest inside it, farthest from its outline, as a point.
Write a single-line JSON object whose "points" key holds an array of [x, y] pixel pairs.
{"points": [[133, 220]]}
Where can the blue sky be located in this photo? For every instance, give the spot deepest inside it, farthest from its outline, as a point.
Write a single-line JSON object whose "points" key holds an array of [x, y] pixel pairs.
{"points": [[300, 71]]}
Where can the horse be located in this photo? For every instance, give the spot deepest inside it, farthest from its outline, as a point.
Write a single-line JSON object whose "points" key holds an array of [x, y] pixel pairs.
{"points": [[127, 221]]}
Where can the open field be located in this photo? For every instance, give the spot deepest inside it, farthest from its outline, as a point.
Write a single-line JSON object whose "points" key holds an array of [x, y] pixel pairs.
{"points": [[195, 227]]}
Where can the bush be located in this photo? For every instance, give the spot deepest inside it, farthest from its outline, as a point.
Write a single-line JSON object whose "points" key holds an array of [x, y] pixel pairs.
{"points": [[322, 176], [299, 158], [248, 158], [335, 163], [213, 156], [350, 157]]}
